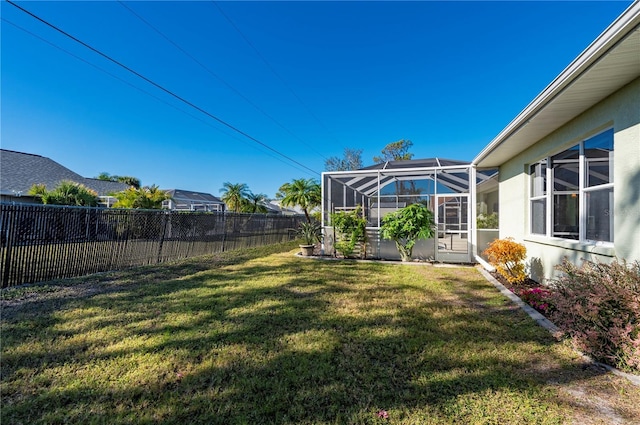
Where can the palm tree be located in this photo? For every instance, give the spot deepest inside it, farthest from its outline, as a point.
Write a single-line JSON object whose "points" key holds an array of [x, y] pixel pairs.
{"points": [[255, 203], [304, 193], [38, 189], [152, 197], [147, 197], [131, 181], [234, 194], [66, 193], [125, 198]]}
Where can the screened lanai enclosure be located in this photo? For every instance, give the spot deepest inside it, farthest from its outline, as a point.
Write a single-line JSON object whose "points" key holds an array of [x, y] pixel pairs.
{"points": [[447, 187]]}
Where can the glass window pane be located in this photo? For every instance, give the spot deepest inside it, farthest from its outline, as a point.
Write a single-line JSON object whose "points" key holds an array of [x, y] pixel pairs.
{"points": [[539, 217], [566, 216], [573, 153], [600, 215], [539, 178], [566, 170], [598, 152]]}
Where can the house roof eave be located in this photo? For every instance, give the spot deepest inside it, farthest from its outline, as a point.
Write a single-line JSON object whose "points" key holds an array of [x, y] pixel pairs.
{"points": [[608, 64]]}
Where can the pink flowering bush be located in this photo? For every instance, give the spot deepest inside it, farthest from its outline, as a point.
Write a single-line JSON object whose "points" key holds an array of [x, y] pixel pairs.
{"points": [[598, 305], [538, 298]]}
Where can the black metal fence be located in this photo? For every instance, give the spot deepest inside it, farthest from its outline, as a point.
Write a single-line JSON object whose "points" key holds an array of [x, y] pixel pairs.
{"points": [[39, 243]]}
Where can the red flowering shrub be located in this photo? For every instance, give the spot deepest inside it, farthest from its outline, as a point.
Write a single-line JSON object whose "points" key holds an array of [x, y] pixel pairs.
{"points": [[538, 298], [598, 305]]}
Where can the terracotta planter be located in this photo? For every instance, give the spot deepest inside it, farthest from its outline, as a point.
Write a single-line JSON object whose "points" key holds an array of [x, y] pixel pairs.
{"points": [[307, 250]]}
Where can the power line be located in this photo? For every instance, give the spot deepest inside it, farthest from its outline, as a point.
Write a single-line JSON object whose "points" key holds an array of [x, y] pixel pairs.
{"points": [[219, 78], [282, 80], [151, 95], [169, 92]]}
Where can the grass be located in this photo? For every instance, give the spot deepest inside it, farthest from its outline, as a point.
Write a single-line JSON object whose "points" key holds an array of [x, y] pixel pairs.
{"points": [[259, 336]]}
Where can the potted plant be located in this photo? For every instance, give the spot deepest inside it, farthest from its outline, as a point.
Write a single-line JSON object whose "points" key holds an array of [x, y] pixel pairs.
{"points": [[406, 226], [310, 233]]}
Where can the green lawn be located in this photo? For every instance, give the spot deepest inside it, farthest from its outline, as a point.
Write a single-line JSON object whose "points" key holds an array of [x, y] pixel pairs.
{"points": [[260, 336]]}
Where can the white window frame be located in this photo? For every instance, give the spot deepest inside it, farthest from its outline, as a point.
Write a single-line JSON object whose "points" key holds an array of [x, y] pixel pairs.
{"points": [[581, 192], [543, 197]]}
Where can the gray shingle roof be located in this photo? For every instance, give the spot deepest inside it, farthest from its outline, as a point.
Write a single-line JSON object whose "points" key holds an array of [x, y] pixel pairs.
{"points": [[191, 196], [19, 171], [105, 187]]}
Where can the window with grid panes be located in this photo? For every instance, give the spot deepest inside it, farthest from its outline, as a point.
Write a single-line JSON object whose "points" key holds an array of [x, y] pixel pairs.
{"points": [[571, 194]]}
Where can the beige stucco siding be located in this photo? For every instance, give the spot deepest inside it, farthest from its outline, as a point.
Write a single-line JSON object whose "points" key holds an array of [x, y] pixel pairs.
{"points": [[620, 111]]}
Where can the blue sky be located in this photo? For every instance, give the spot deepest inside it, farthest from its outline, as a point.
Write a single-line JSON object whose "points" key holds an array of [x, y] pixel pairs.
{"points": [[307, 79]]}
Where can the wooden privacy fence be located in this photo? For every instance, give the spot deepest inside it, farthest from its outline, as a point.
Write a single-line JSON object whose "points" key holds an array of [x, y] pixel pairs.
{"points": [[40, 243]]}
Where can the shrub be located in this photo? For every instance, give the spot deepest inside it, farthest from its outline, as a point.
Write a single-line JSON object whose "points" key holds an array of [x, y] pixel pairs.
{"points": [[507, 256], [146, 197], [406, 226], [66, 193], [351, 229], [487, 221], [538, 298], [598, 305]]}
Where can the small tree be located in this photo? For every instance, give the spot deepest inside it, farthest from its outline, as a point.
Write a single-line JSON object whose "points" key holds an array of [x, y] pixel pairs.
{"points": [[352, 160], [508, 256], [406, 226]]}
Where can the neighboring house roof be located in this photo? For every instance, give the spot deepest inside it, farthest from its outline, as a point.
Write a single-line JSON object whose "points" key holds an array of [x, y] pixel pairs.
{"points": [[272, 208], [19, 171], [609, 63], [180, 195], [105, 187], [275, 205]]}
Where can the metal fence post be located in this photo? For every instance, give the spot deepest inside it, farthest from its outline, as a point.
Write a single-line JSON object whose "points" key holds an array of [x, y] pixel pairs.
{"points": [[162, 234], [7, 242]]}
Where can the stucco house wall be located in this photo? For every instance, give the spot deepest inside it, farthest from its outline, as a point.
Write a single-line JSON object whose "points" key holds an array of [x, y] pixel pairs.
{"points": [[620, 111]]}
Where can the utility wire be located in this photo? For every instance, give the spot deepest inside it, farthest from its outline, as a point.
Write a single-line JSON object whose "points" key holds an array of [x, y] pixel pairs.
{"points": [[208, 123], [255, 49], [219, 78], [169, 92]]}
